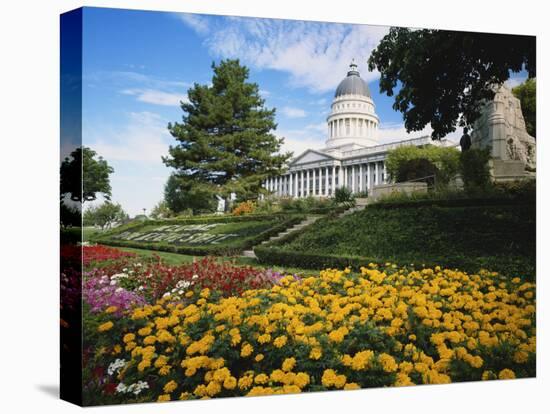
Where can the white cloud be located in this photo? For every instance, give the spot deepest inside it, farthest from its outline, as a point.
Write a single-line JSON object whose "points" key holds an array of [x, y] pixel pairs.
{"points": [[316, 55], [195, 21], [391, 132], [291, 112], [157, 97], [144, 138]]}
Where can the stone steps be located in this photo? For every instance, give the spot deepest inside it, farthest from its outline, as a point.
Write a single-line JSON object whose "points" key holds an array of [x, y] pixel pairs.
{"points": [[296, 227]]}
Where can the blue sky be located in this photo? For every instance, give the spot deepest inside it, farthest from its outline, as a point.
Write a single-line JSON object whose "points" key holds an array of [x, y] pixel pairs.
{"points": [[138, 65]]}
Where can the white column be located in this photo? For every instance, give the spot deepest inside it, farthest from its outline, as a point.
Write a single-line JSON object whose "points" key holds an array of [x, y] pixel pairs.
{"points": [[353, 178], [314, 181], [360, 178], [333, 179], [296, 182], [385, 178], [340, 177], [326, 181], [307, 183], [376, 173], [290, 189], [368, 177]]}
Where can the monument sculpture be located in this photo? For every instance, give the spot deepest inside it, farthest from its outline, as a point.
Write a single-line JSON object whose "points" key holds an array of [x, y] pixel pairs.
{"points": [[501, 128]]}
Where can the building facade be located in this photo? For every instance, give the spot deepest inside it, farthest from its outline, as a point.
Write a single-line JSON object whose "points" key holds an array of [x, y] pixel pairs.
{"points": [[352, 157]]}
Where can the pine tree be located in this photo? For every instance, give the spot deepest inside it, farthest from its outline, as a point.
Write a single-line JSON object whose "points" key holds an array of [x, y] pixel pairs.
{"points": [[225, 139]]}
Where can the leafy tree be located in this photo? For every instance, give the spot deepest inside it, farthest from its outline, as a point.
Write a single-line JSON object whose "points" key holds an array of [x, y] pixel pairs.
{"points": [[527, 94], [443, 77], [83, 176], [225, 143], [417, 169], [182, 194], [161, 210], [402, 163], [104, 215]]}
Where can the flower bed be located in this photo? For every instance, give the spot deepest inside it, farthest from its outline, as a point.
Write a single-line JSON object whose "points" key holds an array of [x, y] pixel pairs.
{"points": [[338, 330]]}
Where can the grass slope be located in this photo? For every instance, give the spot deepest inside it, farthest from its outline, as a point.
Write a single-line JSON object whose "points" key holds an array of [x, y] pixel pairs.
{"points": [[499, 238]]}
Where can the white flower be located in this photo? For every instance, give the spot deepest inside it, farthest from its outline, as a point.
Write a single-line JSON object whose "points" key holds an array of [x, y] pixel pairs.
{"points": [[116, 366], [113, 282], [195, 277], [121, 388], [141, 288], [118, 290], [167, 294]]}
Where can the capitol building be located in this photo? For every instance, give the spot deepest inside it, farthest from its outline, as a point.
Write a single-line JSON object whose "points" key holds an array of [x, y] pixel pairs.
{"points": [[352, 156]]}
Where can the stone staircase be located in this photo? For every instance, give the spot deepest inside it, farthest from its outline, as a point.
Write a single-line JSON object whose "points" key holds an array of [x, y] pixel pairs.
{"points": [[360, 204], [304, 223]]}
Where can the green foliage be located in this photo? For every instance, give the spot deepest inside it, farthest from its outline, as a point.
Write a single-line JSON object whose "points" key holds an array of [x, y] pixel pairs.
{"points": [[495, 237], [104, 215], [83, 176], [181, 194], [403, 163], [443, 77], [474, 167], [527, 94], [225, 141], [161, 210], [343, 195]]}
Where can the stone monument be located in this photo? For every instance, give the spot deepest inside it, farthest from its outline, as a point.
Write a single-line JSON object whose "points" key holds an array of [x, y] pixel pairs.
{"points": [[501, 128]]}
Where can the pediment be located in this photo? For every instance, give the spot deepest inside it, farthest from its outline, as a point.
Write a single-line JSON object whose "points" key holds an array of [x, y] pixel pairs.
{"points": [[311, 156]]}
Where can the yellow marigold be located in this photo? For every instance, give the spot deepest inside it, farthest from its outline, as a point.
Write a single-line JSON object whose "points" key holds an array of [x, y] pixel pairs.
{"points": [[521, 357], [265, 338], [245, 382], [165, 370], [111, 309], [506, 374], [230, 383], [149, 340], [388, 362], [146, 363], [184, 396], [488, 375], [145, 331], [213, 388], [280, 341], [117, 349], [161, 361], [315, 353], [261, 379], [402, 380], [129, 337], [205, 293], [259, 357], [246, 350], [352, 386], [301, 379], [288, 364], [105, 326], [163, 398], [170, 387]]}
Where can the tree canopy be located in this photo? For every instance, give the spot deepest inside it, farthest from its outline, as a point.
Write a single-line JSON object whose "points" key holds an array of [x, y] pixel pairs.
{"points": [[83, 175], [225, 141], [443, 77], [527, 95], [181, 194], [104, 215]]}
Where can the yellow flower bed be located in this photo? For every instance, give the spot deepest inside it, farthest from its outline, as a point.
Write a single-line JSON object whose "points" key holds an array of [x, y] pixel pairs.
{"points": [[338, 330]]}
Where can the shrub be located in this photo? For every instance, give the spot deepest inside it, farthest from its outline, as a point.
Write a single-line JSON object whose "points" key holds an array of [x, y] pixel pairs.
{"points": [[343, 195], [474, 167], [417, 169], [245, 207]]}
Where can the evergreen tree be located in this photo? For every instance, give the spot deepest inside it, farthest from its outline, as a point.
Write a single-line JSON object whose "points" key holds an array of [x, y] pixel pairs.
{"points": [[225, 139]]}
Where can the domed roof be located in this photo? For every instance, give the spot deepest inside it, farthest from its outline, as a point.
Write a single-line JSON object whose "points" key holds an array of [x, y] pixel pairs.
{"points": [[352, 84]]}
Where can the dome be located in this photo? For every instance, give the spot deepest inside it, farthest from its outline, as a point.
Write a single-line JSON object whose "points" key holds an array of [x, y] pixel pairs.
{"points": [[352, 84]]}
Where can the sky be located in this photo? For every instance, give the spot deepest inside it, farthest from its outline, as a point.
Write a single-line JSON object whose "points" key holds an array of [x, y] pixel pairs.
{"points": [[138, 65]]}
